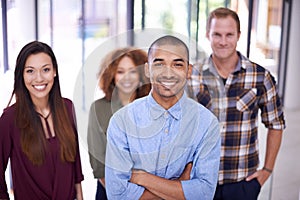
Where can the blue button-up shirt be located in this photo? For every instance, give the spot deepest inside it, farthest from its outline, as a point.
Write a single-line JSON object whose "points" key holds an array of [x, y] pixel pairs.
{"points": [[144, 135]]}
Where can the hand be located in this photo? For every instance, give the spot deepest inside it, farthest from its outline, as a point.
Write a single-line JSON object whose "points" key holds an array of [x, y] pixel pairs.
{"points": [[261, 175], [136, 175], [102, 181], [79, 195], [186, 172]]}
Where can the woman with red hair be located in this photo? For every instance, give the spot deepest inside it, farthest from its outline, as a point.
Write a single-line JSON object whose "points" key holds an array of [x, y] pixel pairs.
{"points": [[122, 79]]}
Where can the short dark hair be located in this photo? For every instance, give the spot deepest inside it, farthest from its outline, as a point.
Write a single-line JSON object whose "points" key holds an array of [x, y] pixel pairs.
{"points": [[223, 13], [168, 39]]}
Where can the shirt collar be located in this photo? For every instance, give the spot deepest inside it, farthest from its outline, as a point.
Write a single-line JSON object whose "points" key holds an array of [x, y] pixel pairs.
{"points": [[157, 110], [239, 66]]}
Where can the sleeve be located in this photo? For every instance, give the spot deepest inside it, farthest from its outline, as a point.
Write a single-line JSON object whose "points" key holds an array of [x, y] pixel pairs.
{"points": [[119, 164], [204, 175], [271, 105], [5, 149], [96, 140], [78, 168]]}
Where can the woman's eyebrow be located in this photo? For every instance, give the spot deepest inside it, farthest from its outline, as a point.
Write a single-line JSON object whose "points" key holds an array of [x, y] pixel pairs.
{"points": [[45, 65]]}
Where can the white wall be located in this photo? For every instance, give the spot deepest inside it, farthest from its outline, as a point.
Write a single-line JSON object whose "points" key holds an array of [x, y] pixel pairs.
{"points": [[292, 90]]}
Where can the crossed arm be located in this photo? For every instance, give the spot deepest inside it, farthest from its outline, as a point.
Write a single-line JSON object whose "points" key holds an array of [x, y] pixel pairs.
{"points": [[160, 188], [123, 182]]}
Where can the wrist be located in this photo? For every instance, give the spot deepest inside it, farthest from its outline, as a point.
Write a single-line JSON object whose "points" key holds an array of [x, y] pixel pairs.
{"points": [[137, 177], [267, 169]]}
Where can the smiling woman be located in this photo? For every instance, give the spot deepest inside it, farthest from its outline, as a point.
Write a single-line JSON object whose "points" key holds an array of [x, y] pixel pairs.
{"points": [[32, 135], [122, 80], [39, 77]]}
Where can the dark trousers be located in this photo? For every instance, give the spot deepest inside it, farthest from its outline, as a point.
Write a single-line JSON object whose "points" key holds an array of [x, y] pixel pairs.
{"points": [[100, 193], [243, 190]]}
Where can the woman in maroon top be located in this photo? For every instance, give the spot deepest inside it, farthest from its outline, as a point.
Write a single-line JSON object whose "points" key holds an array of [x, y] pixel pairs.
{"points": [[38, 132]]}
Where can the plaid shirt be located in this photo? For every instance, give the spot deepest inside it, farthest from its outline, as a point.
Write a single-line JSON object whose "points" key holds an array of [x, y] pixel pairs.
{"points": [[236, 103]]}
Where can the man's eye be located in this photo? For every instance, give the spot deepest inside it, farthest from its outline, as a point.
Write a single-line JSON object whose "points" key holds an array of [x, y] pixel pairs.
{"points": [[158, 64], [178, 65], [230, 35]]}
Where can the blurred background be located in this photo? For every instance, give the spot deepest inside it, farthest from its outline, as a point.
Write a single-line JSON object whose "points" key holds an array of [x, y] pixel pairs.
{"points": [[81, 32]]}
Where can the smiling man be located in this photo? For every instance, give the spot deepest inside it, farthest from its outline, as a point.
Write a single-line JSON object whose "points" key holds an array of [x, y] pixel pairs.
{"points": [[237, 91], [165, 145]]}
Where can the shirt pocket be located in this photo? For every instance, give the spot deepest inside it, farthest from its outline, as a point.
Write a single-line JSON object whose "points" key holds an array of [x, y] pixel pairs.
{"points": [[246, 99]]}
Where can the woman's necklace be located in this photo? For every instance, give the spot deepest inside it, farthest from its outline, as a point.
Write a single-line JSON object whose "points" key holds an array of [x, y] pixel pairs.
{"points": [[46, 122]]}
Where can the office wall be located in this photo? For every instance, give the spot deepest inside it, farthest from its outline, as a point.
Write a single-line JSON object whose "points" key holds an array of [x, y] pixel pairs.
{"points": [[292, 91]]}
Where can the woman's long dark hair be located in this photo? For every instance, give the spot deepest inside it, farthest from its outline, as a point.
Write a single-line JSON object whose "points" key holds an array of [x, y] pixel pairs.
{"points": [[33, 139]]}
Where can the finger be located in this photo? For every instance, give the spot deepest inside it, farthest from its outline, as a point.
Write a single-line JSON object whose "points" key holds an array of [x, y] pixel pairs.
{"points": [[249, 178], [189, 166]]}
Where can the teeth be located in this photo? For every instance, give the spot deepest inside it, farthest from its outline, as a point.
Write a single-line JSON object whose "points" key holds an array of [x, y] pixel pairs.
{"points": [[126, 84], [168, 83], [39, 87]]}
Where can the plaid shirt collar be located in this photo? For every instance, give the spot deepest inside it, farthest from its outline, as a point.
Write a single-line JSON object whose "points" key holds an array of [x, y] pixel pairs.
{"points": [[242, 64]]}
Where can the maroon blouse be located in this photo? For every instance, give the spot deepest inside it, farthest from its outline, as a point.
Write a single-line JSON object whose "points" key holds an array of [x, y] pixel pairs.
{"points": [[53, 180]]}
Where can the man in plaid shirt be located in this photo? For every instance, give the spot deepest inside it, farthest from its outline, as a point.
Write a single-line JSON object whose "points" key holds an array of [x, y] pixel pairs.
{"points": [[235, 89]]}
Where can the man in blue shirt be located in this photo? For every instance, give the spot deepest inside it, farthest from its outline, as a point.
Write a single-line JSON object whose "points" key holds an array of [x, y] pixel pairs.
{"points": [[165, 145]]}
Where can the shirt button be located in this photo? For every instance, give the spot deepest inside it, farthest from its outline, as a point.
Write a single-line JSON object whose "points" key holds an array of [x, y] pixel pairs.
{"points": [[166, 131]]}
